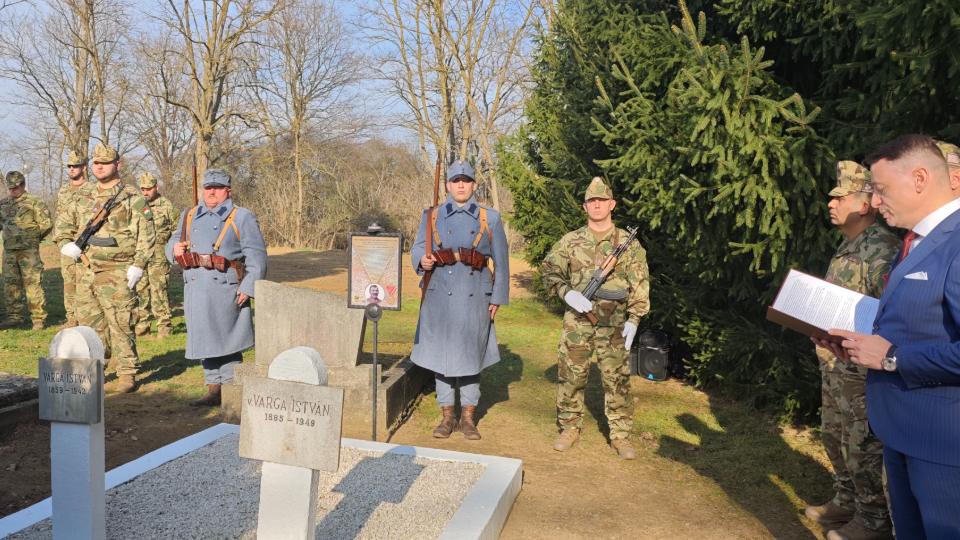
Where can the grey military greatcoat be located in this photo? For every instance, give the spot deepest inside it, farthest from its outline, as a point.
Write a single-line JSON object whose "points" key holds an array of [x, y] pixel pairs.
{"points": [[216, 326], [454, 334]]}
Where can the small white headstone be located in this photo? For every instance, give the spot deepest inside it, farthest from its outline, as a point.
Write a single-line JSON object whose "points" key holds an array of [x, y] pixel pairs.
{"points": [[77, 457], [296, 422]]}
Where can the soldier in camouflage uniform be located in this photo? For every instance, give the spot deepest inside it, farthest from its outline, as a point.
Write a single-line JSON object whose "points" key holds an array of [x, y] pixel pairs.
{"points": [[566, 271], [152, 289], [25, 220], [113, 262], [859, 506], [66, 204], [951, 153]]}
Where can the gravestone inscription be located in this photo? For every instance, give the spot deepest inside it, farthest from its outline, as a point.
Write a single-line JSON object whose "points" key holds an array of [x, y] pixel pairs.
{"points": [[69, 390]]}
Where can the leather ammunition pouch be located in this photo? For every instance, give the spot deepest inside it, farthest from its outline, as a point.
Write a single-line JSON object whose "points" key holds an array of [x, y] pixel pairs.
{"points": [[210, 261], [473, 258], [102, 241], [445, 257], [611, 294]]}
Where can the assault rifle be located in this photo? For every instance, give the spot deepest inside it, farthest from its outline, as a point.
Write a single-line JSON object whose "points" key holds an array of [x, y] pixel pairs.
{"points": [[603, 272], [97, 221]]}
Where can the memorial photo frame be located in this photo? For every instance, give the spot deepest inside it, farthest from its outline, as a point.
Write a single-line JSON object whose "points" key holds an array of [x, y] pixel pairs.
{"points": [[374, 273]]}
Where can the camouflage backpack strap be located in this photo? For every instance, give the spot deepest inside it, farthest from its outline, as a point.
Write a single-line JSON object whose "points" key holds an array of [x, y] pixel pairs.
{"points": [[228, 224], [185, 232]]}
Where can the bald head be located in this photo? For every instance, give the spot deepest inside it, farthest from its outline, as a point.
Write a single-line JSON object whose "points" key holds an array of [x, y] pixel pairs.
{"points": [[910, 179]]}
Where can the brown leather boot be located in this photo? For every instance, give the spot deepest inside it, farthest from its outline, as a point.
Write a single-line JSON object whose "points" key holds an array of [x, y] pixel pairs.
{"points": [[467, 425], [126, 384], [447, 425], [212, 399], [829, 513]]}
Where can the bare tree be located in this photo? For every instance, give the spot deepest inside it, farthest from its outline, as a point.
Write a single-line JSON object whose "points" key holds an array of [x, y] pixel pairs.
{"points": [[66, 55], [212, 35], [457, 67], [301, 81]]}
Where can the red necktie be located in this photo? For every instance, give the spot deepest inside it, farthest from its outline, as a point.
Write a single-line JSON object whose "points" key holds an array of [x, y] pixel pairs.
{"points": [[907, 241]]}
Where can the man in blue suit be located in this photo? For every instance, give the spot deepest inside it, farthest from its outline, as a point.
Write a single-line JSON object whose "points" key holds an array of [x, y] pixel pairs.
{"points": [[913, 356]]}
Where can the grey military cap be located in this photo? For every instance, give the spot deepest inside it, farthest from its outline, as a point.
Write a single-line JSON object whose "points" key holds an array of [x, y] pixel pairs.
{"points": [[460, 168], [216, 177]]}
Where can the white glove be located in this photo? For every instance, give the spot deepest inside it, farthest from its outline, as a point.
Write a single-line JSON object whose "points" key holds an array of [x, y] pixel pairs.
{"points": [[629, 332], [71, 250], [577, 301], [133, 276]]}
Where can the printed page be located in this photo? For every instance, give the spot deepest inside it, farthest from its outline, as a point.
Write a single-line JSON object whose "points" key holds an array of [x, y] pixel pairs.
{"points": [[824, 305]]}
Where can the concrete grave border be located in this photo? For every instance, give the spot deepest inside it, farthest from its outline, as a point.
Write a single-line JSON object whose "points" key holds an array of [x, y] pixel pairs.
{"points": [[482, 514]]}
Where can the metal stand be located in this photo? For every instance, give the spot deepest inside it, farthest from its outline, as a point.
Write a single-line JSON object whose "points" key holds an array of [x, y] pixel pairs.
{"points": [[373, 313]]}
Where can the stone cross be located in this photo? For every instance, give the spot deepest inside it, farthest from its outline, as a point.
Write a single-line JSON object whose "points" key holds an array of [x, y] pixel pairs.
{"points": [[295, 429], [71, 397]]}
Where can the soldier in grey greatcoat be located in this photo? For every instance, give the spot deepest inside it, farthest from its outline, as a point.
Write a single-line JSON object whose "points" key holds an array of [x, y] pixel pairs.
{"points": [[456, 337], [216, 301]]}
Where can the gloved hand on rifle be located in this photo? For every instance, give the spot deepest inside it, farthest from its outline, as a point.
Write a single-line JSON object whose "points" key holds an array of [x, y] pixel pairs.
{"points": [[629, 332], [72, 250], [133, 276], [577, 301]]}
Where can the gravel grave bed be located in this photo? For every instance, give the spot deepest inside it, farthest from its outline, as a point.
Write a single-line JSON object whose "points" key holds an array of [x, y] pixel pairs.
{"points": [[213, 493]]}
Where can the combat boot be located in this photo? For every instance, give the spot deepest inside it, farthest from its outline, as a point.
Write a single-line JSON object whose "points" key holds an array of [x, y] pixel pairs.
{"points": [[212, 399], [142, 330], [447, 425], [624, 448], [566, 439], [467, 426], [126, 384], [829, 513], [857, 530], [11, 323], [163, 332], [37, 325]]}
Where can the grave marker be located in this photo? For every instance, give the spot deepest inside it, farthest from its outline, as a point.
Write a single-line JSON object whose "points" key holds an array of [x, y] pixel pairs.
{"points": [[71, 397], [291, 421]]}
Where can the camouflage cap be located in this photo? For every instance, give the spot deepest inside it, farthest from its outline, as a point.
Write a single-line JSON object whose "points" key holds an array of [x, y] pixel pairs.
{"points": [[104, 153], [852, 177], [147, 180], [951, 153], [598, 190], [460, 168], [14, 179], [216, 177], [74, 159]]}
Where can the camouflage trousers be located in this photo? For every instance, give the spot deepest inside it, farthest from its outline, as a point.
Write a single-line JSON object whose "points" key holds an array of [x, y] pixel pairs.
{"points": [[152, 291], [70, 270], [855, 453], [22, 269], [106, 304], [582, 342]]}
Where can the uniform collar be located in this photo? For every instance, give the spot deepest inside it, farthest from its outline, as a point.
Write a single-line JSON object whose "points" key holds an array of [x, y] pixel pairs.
{"points": [[470, 207], [854, 244], [221, 211]]}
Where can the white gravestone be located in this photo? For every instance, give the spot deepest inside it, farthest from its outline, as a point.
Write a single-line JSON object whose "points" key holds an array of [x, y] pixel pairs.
{"points": [[72, 379], [294, 427]]}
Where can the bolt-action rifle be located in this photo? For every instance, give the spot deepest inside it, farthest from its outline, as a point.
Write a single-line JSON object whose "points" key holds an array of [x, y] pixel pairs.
{"points": [[603, 272], [427, 274]]}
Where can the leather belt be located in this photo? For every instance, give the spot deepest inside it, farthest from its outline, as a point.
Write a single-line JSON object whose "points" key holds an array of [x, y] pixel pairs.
{"points": [[210, 261]]}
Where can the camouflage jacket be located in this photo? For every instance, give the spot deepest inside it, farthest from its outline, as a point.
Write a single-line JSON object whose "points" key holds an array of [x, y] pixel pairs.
{"points": [[165, 222], [860, 264], [130, 224], [25, 221], [67, 199], [572, 261]]}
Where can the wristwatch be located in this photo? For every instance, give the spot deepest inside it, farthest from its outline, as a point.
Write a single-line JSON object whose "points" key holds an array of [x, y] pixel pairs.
{"points": [[889, 362]]}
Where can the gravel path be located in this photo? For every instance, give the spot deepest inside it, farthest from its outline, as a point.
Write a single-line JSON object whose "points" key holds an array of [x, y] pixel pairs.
{"points": [[213, 493]]}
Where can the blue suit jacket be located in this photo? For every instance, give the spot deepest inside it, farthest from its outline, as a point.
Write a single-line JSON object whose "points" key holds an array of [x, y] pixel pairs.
{"points": [[916, 409]]}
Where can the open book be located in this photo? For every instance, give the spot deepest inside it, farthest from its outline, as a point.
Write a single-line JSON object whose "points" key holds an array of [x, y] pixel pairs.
{"points": [[812, 306]]}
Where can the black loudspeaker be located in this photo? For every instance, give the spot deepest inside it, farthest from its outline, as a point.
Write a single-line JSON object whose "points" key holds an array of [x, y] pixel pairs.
{"points": [[650, 357]]}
